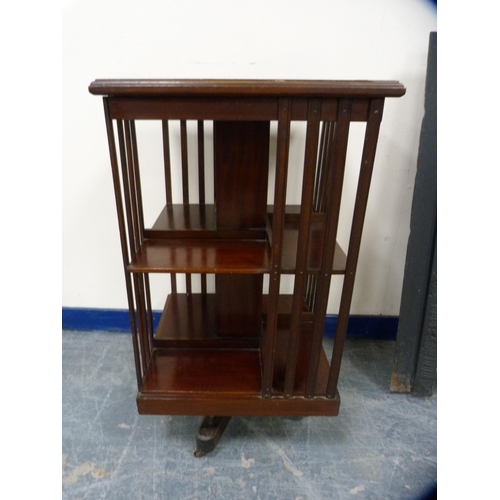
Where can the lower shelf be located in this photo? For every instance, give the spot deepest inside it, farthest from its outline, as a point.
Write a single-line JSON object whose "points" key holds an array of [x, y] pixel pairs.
{"points": [[223, 382], [194, 371], [189, 321]]}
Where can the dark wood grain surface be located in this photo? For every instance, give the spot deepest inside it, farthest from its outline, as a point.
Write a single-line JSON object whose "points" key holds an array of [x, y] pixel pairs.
{"points": [[324, 88]]}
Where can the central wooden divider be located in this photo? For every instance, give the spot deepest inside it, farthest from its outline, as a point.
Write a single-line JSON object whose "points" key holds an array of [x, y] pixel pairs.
{"points": [[241, 164]]}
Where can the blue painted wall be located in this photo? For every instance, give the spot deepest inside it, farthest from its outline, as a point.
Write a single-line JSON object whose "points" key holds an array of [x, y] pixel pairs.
{"points": [[117, 320]]}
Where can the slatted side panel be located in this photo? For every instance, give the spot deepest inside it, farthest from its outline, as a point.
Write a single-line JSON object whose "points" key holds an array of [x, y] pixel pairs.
{"points": [[321, 187], [201, 182], [168, 182], [309, 174], [123, 148], [365, 175], [269, 340], [143, 294], [185, 183], [323, 178], [119, 188], [185, 176], [330, 192], [322, 181], [127, 187]]}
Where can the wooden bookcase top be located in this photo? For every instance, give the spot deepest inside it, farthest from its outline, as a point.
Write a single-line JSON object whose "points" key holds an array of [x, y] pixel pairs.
{"points": [[286, 88]]}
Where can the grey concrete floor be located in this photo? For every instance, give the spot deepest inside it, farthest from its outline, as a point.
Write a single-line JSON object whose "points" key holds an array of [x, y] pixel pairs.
{"points": [[381, 446]]}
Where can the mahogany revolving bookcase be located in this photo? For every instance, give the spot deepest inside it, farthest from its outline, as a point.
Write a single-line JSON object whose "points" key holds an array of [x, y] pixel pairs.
{"points": [[229, 341]]}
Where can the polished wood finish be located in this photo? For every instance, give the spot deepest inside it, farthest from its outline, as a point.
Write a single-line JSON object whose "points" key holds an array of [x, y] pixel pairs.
{"points": [[241, 155], [191, 321], [313, 258], [235, 405], [223, 108], [303, 243], [240, 349], [196, 222], [269, 338], [239, 305], [181, 371], [258, 88], [178, 222], [201, 256], [241, 158], [233, 387]]}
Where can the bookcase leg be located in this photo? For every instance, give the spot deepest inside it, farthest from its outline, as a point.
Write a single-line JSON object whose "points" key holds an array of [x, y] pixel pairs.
{"points": [[209, 433]]}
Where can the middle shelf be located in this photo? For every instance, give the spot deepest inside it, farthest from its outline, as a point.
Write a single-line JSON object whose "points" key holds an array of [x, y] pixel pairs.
{"points": [[185, 239], [202, 256], [190, 357]]}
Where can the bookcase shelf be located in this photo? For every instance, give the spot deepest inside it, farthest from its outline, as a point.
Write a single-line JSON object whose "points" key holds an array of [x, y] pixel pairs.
{"points": [[176, 384], [201, 256], [185, 239]]}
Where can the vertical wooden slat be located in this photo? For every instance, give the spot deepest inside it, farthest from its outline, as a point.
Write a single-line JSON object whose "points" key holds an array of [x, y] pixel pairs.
{"points": [[308, 291], [185, 182], [148, 316], [145, 348], [168, 182], [166, 162], [139, 370], [132, 186], [312, 137], [137, 182], [365, 174], [269, 341], [321, 155], [323, 158], [184, 163], [140, 225], [201, 186], [323, 187], [311, 293], [189, 288], [173, 282], [201, 162], [126, 188], [334, 182], [149, 310]]}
